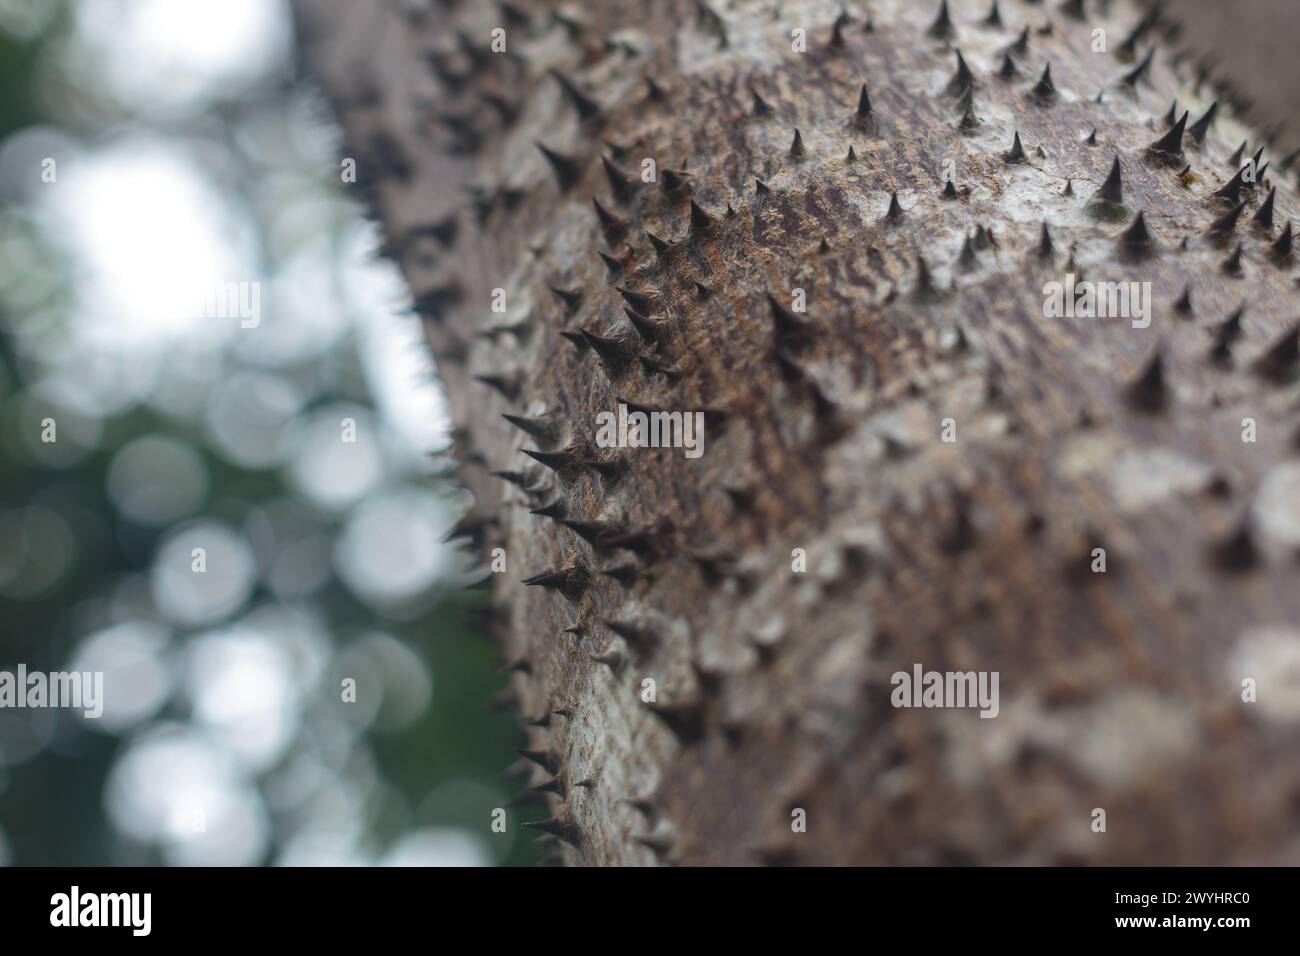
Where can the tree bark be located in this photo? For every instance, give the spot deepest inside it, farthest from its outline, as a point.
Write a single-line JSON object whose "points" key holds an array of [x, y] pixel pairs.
{"points": [[844, 260]]}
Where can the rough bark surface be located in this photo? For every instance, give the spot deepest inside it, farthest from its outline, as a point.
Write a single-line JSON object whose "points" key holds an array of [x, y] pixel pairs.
{"points": [[825, 429]]}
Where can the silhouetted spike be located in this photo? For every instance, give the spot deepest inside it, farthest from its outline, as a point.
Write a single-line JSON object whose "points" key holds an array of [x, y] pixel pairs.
{"points": [[612, 265], [966, 260], [1148, 392], [1112, 190], [1021, 47], [969, 121], [645, 327], [1128, 49], [788, 324], [761, 107], [661, 246], [587, 108], [637, 634], [567, 169], [1171, 144], [554, 510], [949, 190], [554, 580], [963, 79], [1232, 265], [572, 298], [925, 288], [1184, 303], [796, 146], [942, 27], [1282, 359], [613, 352], [761, 188], [1045, 249], [1259, 170], [574, 338], [508, 387], [864, 105], [1235, 159], [1137, 236], [1264, 217], [1231, 191], [895, 211], [703, 290], [1091, 138], [619, 181], [1069, 188], [1008, 70], [1017, 152], [701, 221], [1044, 90], [640, 301], [1132, 77], [613, 226], [554, 460], [1228, 221], [589, 531], [994, 19], [1172, 116], [850, 156], [1282, 248], [837, 30], [564, 829], [673, 180], [545, 759], [550, 786], [1198, 129]]}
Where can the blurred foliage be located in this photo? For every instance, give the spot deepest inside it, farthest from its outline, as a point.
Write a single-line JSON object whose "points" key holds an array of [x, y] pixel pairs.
{"points": [[443, 769]]}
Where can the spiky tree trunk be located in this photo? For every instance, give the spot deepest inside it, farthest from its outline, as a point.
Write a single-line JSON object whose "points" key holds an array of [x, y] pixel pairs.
{"points": [[843, 259]]}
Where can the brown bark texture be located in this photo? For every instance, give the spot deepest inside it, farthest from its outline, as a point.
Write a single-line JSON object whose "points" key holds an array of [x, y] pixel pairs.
{"points": [[843, 260]]}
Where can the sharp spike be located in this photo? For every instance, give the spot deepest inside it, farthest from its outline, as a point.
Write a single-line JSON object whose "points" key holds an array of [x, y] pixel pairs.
{"points": [[1282, 248], [1021, 47], [554, 510], [1228, 221], [1184, 303], [567, 169], [1008, 70], [619, 182], [1264, 217], [701, 221], [1044, 90], [612, 265], [1137, 234], [587, 108], [1231, 191], [949, 190], [942, 27], [796, 146], [1112, 190], [613, 226], [1171, 144], [554, 460], [1232, 265], [1132, 77], [1148, 391], [640, 301], [994, 19], [895, 211], [1045, 248], [1235, 159], [761, 106], [864, 105], [963, 79], [563, 829], [1198, 129], [613, 352], [1017, 152]]}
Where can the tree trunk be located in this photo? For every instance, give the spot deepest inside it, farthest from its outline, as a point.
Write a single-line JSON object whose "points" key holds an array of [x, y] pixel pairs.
{"points": [[910, 457]]}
